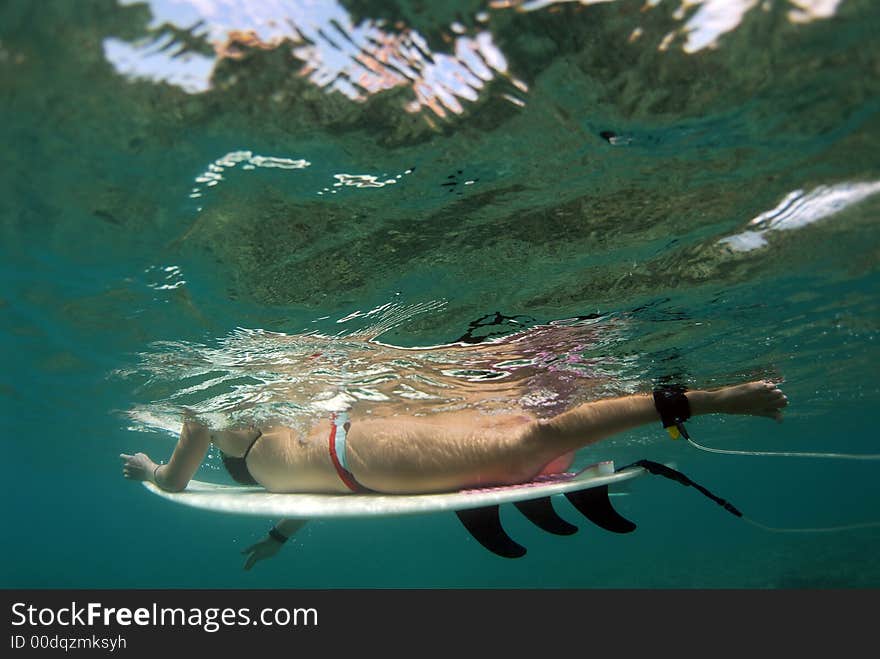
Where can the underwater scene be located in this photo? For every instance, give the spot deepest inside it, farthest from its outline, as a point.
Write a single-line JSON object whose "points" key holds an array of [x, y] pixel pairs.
{"points": [[254, 212]]}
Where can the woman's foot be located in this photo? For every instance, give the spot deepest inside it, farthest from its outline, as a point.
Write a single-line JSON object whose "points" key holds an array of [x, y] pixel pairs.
{"points": [[760, 398]]}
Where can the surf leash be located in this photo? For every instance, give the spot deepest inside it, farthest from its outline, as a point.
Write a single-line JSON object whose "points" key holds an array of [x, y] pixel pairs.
{"points": [[787, 454], [657, 469], [674, 409]]}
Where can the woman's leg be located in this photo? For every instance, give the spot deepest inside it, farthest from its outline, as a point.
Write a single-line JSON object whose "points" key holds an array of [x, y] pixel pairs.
{"points": [[592, 422], [409, 454], [417, 454]]}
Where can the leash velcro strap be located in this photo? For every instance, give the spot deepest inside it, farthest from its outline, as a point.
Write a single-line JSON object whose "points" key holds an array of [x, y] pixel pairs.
{"points": [[674, 409], [658, 469]]}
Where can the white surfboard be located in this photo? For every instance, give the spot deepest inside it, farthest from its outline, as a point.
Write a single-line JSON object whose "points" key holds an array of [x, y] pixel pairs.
{"points": [[249, 500]]}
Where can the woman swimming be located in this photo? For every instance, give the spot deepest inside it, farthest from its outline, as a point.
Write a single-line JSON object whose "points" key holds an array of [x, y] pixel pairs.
{"points": [[361, 450]]}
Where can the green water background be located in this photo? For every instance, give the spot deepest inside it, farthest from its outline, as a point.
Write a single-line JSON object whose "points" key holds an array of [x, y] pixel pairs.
{"points": [[97, 171]]}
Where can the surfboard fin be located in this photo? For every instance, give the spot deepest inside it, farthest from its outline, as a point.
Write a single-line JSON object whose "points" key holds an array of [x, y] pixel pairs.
{"points": [[485, 525], [595, 505], [541, 513]]}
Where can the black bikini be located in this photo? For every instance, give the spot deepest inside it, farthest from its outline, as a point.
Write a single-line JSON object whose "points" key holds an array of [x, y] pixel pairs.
{"points": [[237, 467]]}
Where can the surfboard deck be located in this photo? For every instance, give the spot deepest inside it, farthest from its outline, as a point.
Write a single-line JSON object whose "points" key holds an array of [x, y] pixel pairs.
{"points": [[255, 501]]}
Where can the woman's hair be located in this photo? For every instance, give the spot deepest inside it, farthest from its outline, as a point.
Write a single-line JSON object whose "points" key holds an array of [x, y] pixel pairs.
{"points": [[237, 468]]}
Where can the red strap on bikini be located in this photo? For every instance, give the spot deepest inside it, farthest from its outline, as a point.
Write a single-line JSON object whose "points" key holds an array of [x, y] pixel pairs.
{"points": [[344, 474]]}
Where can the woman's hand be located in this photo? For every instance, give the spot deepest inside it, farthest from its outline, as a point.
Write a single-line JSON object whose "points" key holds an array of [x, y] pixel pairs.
{"points": [[138, 467], [265, 548]]}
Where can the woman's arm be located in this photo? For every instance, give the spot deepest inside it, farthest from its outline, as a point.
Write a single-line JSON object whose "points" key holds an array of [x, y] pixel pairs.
{"points": [[269, 546], [188, 455]]}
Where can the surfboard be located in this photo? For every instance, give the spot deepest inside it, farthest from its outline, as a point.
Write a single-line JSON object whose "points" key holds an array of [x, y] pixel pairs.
{"points": [[250, 500], [477, 509]]}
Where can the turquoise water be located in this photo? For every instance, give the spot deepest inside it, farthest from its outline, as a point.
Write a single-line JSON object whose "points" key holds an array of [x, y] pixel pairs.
{"points": [[186, 184]]}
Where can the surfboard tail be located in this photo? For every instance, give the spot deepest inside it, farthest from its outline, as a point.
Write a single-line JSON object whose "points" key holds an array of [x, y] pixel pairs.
{"points": [[595, 505], [484, 524], [541, 513]]}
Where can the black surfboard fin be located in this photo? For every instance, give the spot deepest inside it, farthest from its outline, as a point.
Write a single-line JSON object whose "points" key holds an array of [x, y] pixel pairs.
{"points": [[485, 525], [595, 505], [541, 513]]}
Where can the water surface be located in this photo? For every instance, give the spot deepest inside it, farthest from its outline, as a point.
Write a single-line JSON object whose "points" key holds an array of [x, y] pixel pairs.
{"points": [[187, 185]]}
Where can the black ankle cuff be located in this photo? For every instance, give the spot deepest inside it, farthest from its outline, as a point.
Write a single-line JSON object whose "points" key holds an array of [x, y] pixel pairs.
{"points": [[672, 405]]}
